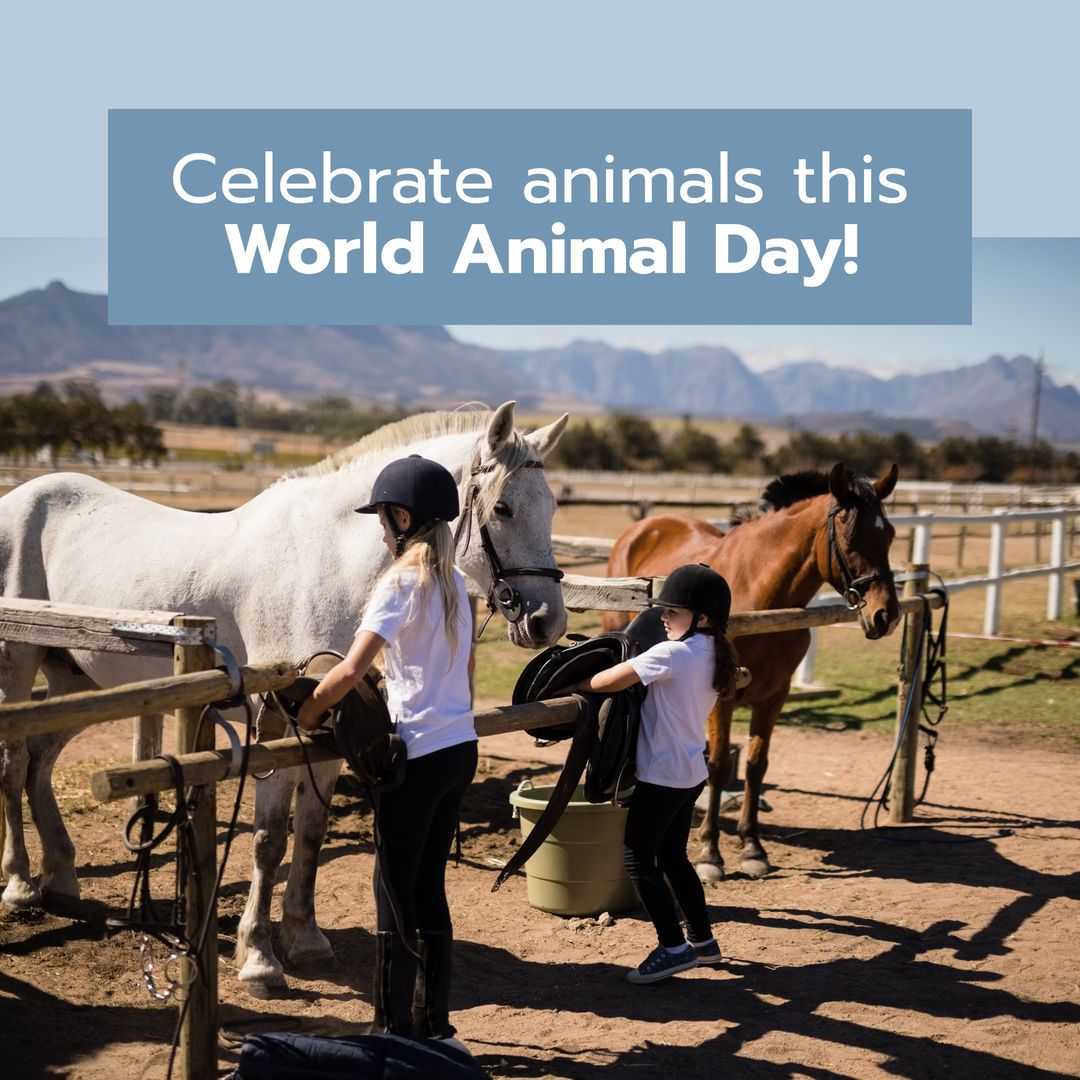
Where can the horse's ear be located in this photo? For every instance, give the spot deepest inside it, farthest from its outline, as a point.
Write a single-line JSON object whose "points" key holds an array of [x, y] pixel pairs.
{"points": [[838, 482], [501, 428], [884, 486], [543, 440]]}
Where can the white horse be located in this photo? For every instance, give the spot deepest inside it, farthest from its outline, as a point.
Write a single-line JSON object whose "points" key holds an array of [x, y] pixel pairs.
{"points": [[284, 575]]}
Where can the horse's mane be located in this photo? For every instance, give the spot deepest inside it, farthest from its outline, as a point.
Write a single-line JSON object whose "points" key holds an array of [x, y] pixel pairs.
{"points": [[430, 425], [790, 488]]}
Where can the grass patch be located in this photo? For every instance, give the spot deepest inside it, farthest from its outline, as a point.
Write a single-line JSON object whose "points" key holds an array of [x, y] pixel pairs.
{"points": [[71, 784], [991, 685]]}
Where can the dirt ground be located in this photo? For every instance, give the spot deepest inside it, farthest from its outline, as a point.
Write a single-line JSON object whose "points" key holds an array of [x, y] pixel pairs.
{"points": [[949, 951]]}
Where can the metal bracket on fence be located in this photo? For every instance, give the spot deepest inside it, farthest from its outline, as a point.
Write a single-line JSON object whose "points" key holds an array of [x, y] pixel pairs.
{"points": [[171, 635]]}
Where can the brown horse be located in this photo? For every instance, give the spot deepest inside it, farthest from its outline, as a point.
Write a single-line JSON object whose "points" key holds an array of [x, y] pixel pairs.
{"points": [[809, 529]]}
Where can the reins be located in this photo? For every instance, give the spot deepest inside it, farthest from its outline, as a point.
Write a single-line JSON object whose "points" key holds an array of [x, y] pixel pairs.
{"points": [[854, 590], [143, 913], [931, 652], [502, 596]]}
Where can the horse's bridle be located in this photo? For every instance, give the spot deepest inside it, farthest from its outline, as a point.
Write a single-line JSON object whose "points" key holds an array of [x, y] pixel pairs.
{"points": [[502, 596], [854, 591]]}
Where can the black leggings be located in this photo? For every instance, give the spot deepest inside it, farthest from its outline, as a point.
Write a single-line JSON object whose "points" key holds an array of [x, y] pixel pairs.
{"points": [[657, 829], [416, 826]]}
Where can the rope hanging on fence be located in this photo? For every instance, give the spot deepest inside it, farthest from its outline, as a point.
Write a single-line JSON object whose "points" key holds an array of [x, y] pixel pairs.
{"points": [[931, 649], [143, 912], [936, 668], [144, 916]]}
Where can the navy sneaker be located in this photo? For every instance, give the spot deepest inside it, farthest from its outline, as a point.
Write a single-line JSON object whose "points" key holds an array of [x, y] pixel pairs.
{"points": [[708, 952], [661, 964]]}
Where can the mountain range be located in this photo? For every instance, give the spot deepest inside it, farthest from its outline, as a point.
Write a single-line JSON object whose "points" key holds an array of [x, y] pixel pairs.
{"points": [[57, 333]]}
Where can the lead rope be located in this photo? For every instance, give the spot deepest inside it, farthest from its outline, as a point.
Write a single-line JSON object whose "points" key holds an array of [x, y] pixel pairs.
{"points": [[143, 917], [936, 668], [931, 649]]}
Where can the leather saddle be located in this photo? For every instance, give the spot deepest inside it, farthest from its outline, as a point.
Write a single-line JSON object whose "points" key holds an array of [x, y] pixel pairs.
{"points": [[603, 738], [364, 732]]}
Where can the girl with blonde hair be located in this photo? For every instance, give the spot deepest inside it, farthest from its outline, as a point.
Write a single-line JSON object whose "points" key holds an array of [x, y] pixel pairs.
{"points": [[419, 616]]}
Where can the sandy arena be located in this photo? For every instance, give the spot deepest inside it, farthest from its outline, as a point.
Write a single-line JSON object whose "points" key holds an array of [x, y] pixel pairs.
{"points": [[859, 956]]}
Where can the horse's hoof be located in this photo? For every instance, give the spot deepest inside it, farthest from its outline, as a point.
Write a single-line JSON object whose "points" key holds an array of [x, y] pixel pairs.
{"points": [[755, 868], [266, 988], [313, 961], [261, 980], [61, 886], [305, 947], [709, 872], [21, 895]]}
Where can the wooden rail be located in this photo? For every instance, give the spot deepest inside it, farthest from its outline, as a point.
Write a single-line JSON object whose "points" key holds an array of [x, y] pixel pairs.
{"points": [[207, 767], [118, 630], [23, 719]]}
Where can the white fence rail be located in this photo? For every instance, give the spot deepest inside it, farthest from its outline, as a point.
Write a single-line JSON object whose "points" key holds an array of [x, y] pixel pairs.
{"points": [[598, 548]]}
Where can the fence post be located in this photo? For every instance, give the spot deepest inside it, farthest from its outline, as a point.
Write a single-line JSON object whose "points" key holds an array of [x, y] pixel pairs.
{"points": [[1055, 591], [961, 536], [920, 540], [198, 1057], [145, 743], [992, 615], [902, 784]]}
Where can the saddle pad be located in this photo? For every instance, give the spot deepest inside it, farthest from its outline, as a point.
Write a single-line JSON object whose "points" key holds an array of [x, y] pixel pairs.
{"points": [[381, 1057]]}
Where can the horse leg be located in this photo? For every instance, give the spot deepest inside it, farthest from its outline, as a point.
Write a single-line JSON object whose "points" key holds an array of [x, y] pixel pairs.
{"points": [[755, 863], [709, 863], [18, 666], [58, 877], [302, 942], [260, 970]]}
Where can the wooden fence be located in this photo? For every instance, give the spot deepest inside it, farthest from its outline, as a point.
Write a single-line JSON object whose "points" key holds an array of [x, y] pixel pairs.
{"points": [[196, 683]]}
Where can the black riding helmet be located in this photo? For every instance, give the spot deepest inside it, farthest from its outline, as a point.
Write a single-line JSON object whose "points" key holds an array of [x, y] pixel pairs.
{"points": [[423, 487], [699, 589]]}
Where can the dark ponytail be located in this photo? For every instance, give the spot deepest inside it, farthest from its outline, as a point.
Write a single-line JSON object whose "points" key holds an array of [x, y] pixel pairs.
{"points": [[726, 668]]}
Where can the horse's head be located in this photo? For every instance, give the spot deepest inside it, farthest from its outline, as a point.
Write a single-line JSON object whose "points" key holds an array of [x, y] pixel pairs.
{"points": [[504, 535], [857, 550]]}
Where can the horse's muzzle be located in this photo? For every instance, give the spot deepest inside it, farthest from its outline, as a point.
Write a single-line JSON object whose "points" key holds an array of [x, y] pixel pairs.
{"points": [[544, 626], [880, 624]]}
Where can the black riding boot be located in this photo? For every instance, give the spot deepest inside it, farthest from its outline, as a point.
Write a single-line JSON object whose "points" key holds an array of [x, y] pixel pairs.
{"points": [[431, 999], [392, 990]]}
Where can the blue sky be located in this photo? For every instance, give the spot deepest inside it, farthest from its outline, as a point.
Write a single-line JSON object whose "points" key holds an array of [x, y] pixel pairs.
{"points": [[1013, 66], [1024, 300]]}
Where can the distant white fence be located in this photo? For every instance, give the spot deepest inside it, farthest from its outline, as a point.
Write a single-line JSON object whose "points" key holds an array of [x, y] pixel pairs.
{"points": [[717, 489], [997, 575]]}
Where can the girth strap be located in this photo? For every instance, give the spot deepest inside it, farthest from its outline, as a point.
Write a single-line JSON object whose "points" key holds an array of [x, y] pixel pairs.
{"points": [[576, 759]]}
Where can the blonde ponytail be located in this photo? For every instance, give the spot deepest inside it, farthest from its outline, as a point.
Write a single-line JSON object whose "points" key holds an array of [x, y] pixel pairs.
{"points": [[431, 552]]}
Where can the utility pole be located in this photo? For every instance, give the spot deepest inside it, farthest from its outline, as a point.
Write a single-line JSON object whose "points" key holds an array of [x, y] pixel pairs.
{"points": [[1040, 367]]}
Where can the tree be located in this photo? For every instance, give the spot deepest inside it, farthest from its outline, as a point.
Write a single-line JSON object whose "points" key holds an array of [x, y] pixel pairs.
{"points": [[215, 406], [695, 450], [636, 441], [747, 447], [585, 447]]}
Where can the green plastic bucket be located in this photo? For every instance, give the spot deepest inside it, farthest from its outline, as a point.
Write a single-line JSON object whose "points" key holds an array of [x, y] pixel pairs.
{"points": [[578, 869]]}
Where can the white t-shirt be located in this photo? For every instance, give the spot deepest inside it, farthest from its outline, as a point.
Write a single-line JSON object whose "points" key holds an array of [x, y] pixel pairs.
{"points": [[671, 740], [427, 685]]}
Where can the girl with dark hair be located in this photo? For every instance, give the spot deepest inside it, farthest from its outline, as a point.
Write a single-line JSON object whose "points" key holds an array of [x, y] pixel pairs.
{"points": [[419, 616], [684, 675]]}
